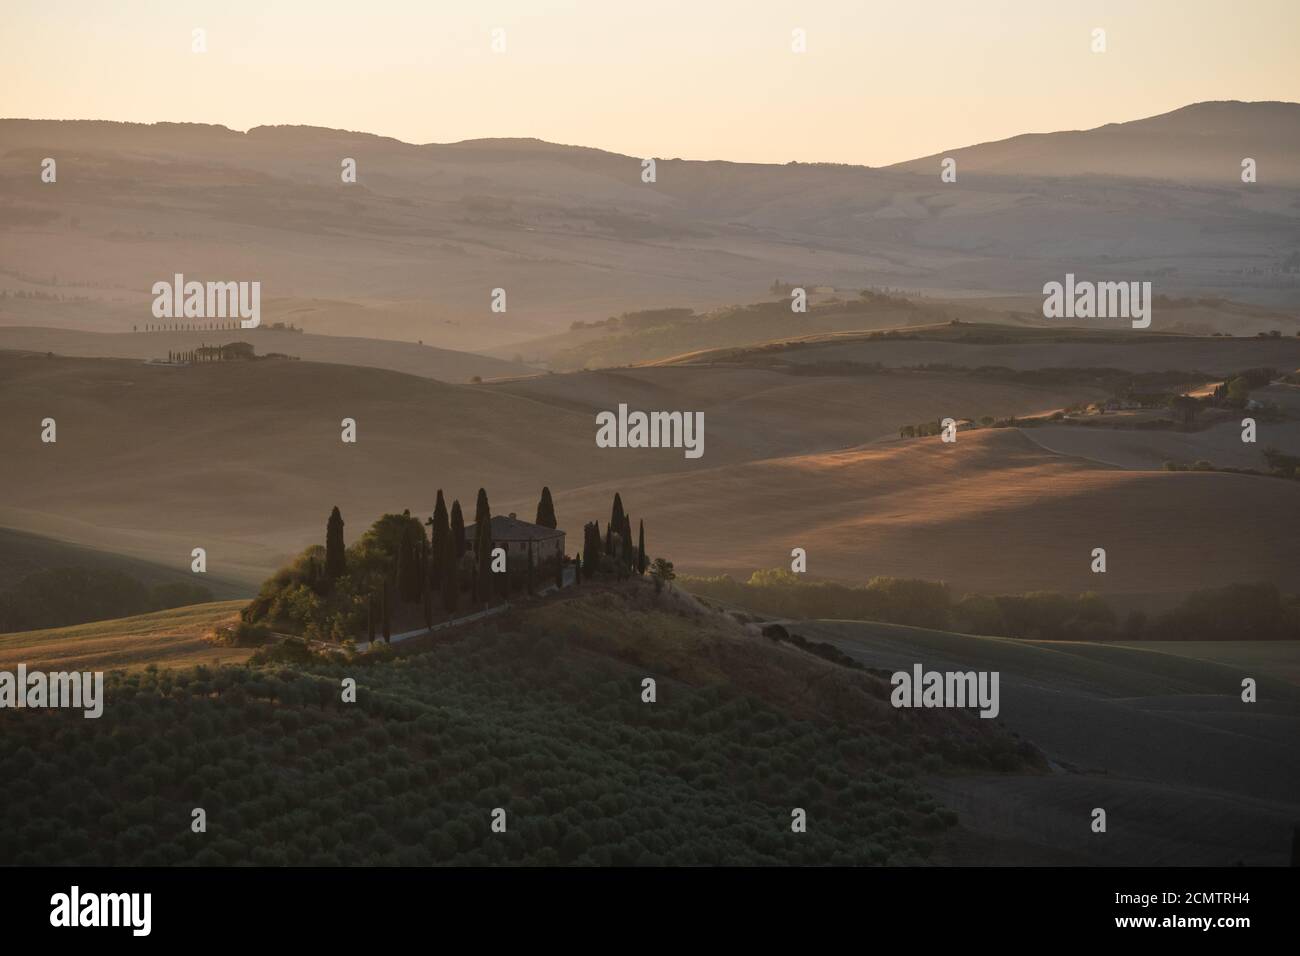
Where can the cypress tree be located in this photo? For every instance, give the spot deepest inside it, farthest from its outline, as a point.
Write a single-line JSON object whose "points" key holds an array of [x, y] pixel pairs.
{"points": [[577, 569], [335, 560], [591, 547], [457, 529], [483, 549], [616, 517], [546, 510], [629, 553], [450, 572], [640, 549], [439, 532]]}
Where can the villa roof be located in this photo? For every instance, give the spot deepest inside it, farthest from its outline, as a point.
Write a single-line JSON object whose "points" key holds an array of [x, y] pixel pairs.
{"points": [[510, 528]]}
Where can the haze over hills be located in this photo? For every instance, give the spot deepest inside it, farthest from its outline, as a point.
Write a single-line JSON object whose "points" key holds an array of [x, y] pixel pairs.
{"points": [[415, 247]]}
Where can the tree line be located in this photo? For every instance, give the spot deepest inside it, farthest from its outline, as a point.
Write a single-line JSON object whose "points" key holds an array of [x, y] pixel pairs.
{"points": [[398, 576]]}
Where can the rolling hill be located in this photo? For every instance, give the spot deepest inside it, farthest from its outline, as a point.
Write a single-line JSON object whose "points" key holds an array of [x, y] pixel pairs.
{"points": [[245, 459], [985, 345], [993, 513], [545, 722], [22, 554]]}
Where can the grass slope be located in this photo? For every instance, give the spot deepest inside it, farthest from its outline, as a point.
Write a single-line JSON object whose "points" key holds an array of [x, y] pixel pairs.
{"points": [[22, 553], [173, 638], [541, 716]]}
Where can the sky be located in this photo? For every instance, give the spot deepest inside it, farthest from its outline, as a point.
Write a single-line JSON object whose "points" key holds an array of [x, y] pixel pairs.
{"points": [[880, 82]]}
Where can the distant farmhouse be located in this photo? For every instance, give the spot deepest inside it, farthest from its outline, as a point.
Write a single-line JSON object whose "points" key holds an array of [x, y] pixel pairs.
{"points": [[518, 536], [223, 353]]}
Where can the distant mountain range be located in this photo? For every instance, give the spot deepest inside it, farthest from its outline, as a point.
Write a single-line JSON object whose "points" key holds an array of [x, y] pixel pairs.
{"points": [[414, 249], [1204, 142]]}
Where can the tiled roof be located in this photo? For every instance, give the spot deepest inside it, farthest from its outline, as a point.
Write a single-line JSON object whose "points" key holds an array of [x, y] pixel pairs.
{"points": [[505, 528]]}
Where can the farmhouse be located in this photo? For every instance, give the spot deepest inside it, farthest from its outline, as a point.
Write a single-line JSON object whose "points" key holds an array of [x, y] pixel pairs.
{"points": [[223, 353], [518, 536]]}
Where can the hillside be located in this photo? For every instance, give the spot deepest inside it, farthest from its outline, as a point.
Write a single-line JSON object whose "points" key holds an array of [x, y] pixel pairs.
{"points": [[169, 639], [22, 554], [1121, 723], [545, 722], [993, 513], [245, 459], [984, 345]]}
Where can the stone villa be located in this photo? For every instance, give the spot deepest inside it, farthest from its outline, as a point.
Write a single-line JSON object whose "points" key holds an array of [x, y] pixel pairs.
{"points": [[517, 536]]}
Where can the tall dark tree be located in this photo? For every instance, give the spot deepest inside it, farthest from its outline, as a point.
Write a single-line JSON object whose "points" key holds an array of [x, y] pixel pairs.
{"points": [[482, 549], [640, 549], [577, 569], [546, 510], [616, 517], [450, 572], [439, 532], [629, 553], [457, 529], [408, 565], [591, 547]]}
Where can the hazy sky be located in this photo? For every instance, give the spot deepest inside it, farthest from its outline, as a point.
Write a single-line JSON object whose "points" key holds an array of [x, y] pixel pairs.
{"points": [[701, 79]]}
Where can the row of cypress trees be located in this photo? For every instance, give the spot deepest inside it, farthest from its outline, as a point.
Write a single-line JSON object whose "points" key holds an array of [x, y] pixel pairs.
{"points": [[616, 545]]}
